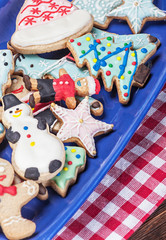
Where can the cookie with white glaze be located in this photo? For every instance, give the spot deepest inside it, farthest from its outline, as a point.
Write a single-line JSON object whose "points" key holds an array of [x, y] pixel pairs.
{"points": [[74, 164], [115, 62], [79, 126], [137, 13], [37, 154], [45, 26], [12, 199]]}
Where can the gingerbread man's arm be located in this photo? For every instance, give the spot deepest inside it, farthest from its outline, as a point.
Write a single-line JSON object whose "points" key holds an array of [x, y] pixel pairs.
{"points": [[26, 191]]}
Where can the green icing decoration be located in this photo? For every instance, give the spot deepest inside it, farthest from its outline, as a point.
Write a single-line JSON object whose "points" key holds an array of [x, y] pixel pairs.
{"points": [[75, 157]]}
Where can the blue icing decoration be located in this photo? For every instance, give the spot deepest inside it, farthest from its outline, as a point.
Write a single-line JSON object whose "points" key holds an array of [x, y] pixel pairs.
{"points": [[6, 64], [25, 128], [138, 40], [144, 50], [79, 83], [78, 156], [125, 87], [102, 49], [58, 174], [1, 128]]}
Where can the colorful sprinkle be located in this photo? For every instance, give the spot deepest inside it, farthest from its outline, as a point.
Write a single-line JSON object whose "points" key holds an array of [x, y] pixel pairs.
{"points": [[32, 144], [109, 38], [83, 51], [144, 50], [95, 60], [29, 136], [102, 49], [65, 169], [110, 65], [126, 94], [109, 52], [133, 54], [126, 49], [134, 63], [98, 41], [25, 128], [129, 72], [73, 150], [108, 73], [70, 163], [109, 44], [79, 44], [125, 87], [118, 58], [78, 156], [58, 174], [71, 40], [98, 53], [122, 77], [88, 39], [125, 44]]}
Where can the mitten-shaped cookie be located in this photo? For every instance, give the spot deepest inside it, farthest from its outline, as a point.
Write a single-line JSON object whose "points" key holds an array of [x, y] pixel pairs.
{"points": [[12, 198]]}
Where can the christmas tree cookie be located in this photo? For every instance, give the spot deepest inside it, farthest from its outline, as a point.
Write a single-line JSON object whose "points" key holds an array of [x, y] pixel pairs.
{"points": [[115, 62], [79, 126], [45, 26], [99, 10], [74, 164], [137, 13]]}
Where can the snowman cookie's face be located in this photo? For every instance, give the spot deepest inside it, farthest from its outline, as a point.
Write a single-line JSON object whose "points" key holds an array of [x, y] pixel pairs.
{"points": [[17, 112], [6, 173]]}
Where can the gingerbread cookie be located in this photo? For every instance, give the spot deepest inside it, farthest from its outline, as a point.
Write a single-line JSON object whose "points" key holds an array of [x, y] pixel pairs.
{"points": [[45, 26], [63, 88], [37, 154], [99, 10], [116, 63], [138, 40], [137, 13], [79, 126], [74, 164], [12, 199], [37, 67]]}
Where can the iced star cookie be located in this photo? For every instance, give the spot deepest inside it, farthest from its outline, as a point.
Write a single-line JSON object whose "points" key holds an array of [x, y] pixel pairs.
{"points": [[79, 126], [12, 199], [74, 164], [37, 154], [37, 67], [115, 62], [6, 70], [99, 10], [137, 13], [45, 26], [138, 40]]}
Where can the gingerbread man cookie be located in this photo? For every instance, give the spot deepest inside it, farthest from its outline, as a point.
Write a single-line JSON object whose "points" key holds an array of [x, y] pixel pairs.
{"points": [[37, 154], [12, 199], [45, 26]]}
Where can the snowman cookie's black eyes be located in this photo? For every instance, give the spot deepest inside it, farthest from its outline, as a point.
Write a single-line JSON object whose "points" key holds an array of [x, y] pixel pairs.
{"points": [[4, 54], [6, 64], [17, 109], [31, 65], [11, 112]]}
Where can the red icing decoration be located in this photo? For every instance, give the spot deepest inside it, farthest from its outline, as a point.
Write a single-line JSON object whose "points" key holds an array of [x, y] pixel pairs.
{"points": [[109, 52], [108, 73], [79, 44], [29, 135], [71, 40], [134, 63], [19, 90], [98, 41], [126, 94], [12, 190], [126, 49], [64, 87], [98, 87], [2, 177], [70, 163]]}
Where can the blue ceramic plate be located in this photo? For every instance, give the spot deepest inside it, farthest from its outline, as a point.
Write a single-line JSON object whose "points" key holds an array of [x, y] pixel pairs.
{"points": [[52, 214]]}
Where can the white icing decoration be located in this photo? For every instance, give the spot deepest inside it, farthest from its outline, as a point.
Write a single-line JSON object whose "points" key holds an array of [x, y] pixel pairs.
{"points": [[31, 188], [2, 169], [91, 85], [52, 31], [13, 219]]}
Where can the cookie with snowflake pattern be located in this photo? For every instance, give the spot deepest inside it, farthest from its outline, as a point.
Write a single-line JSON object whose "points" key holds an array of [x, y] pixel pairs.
{"points": [[45, 26], [116, 62], [99, 10], [79, 126], [137, 13]]}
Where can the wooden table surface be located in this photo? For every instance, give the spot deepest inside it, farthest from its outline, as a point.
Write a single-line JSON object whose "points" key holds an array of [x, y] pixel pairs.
{"points": [[154, 228]]}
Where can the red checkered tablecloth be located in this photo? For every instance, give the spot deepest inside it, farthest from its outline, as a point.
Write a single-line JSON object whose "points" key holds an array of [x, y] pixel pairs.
{"points": [[133, 188]]}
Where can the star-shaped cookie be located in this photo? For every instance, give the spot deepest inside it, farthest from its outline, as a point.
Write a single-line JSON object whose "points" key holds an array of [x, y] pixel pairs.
{"points": [[79, 126], [137, 13], [99, 10]]}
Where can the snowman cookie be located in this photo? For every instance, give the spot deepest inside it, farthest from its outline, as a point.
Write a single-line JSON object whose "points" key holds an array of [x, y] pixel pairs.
{"points": [[63, 88], [12, 199], [45, 26], [37, 154]]}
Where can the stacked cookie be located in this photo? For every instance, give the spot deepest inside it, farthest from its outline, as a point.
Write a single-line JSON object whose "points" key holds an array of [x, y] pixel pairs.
{"points": [[34, 88]]}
